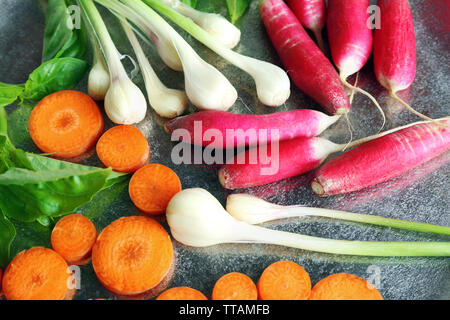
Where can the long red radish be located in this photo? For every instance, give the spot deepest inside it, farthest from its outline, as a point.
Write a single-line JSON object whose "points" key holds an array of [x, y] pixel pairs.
{"points": [[248, 130], [350, 39], [307, 66], [312, 15], [395, 49], [274, 162], [382, 159]]}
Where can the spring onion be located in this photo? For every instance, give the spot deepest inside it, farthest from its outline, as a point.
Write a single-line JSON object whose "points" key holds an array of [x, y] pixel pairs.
{"points": [[166, 102], [205, 86], [124, 101], [272, 82], [215, 24], [254, 210], [198, 219]]}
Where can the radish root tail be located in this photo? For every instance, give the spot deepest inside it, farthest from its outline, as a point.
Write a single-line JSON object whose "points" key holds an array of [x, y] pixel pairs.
{"points": [[319, 38], [349, 125], [352, 95], [368, 95], [400, 100]]}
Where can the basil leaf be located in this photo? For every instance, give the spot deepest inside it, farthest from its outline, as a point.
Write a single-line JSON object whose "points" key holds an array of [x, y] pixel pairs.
{"points": [[54, 75], [192, 3], [7, 234], [9, 93], [57, 32], [236, 8], [75, 47], [33, 186]]}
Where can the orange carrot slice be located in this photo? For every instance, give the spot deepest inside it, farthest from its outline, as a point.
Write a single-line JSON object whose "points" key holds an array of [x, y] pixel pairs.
{"points": [[73, 238], [343, 286], [36, 274], [123, 148], [235, 286], [152, 187], [132, 255], [284, 280], [66, 123], [181, 293]]}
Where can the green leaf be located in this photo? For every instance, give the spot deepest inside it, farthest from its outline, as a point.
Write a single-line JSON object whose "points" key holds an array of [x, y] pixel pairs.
{"points": [[57, 32], [236, 8], [54, 75], [33, 186], [191, 3], [7, 234], [60, 39], [9, 93]]}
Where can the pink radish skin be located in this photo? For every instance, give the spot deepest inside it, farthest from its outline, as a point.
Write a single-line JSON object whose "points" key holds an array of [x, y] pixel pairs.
{"points": [[348, 34], [312, 15], [381, 159], [288, 124], [294, 157], [395, 46], [307, 66]]}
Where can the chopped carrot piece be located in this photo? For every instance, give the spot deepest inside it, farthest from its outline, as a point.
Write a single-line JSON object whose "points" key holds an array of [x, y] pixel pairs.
{"points": [[235, 286], [181, 293], [36, 274], [66, 123], [152, 187], [132, 255], [123, 148], [343, 286], [73, 238], [284, 280]]}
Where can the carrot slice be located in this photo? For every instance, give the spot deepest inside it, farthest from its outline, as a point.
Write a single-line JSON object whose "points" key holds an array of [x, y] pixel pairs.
{"points": [[152, 187], [181, 293], [73, 238], [132, 255], [36, 274], [343, 286], [123, 148], [66, 123], [284, 280], [235, 286]]}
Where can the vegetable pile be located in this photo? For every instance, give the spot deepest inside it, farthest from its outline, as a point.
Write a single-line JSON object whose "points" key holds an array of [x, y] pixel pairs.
{"points": [[48, 194]]}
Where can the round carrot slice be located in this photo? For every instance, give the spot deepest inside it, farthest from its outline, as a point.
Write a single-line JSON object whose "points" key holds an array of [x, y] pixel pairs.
{"points": [[73, 238], [132, 255], [343, 286], [181, 293], [284, 280], [152, 187], [36, 274], [123, 148], [235, 286], [66, 124]]}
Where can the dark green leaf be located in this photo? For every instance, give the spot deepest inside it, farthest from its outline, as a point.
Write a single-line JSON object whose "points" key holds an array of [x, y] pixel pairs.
{"points": [[9, 93], [236, 8], [7, 234], [54, 75], [192, 3], [33, 186], [57, 32], [75, 47]]}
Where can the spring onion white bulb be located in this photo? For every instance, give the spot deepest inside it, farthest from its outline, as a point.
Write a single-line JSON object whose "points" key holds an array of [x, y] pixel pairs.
{"points": [[253, 210], [124, 101], [215, 24], [272, 82], [168, 103], [206, 87], [98, 81], [197, 219]]}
